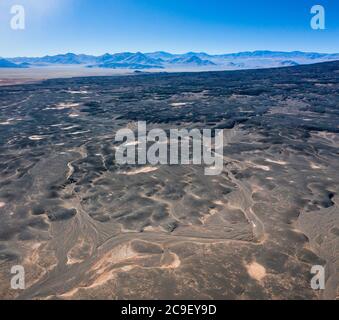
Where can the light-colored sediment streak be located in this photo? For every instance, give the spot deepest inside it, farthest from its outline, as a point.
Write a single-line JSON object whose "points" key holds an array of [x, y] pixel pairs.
{"points": [[140, 171], [315, 166], [179, 104], [79, 132], [282, 163], [62, 106], [78, 92], [245, 203], [259, 166], [73, 115], [36, 138], [70, 171]]}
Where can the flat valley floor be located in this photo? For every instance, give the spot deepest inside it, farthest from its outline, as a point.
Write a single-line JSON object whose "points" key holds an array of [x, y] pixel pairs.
{"points": [[85, 227]]}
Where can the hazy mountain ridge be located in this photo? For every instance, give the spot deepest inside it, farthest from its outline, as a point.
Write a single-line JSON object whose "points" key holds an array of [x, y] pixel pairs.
{"points": [[193, 61], [4, 63], [165, 60]]}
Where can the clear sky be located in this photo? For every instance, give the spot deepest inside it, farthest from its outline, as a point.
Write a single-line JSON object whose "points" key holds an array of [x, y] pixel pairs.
{"points": [[213, 26]]}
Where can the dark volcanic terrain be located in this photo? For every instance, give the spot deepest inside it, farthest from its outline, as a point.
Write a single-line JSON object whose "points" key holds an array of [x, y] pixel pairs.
{"points": [[86, 228]]}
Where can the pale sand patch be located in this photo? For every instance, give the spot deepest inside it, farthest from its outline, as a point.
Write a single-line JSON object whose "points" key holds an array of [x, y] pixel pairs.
{"points": [[71, 261], [103, 268], [2, 204], [152, 229], [38, 260], [211, 212], [34, 253], [103, 271], [256, 271], [139, 171], [36, 138], [276, 161], [117, 255], [73, 254], [314, 166], [127, 268], [69, 294]]}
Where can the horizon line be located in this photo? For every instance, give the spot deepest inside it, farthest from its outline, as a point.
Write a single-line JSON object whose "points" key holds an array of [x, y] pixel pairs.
{"points": [[173, 53]]}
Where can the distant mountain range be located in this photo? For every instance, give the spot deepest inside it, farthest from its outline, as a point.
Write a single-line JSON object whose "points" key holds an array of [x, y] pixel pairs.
{"points": [[165, 60], [7, 64]]}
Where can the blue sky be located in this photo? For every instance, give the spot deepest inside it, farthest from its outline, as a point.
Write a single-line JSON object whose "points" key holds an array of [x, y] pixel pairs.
{"points": [[214, 26]]}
